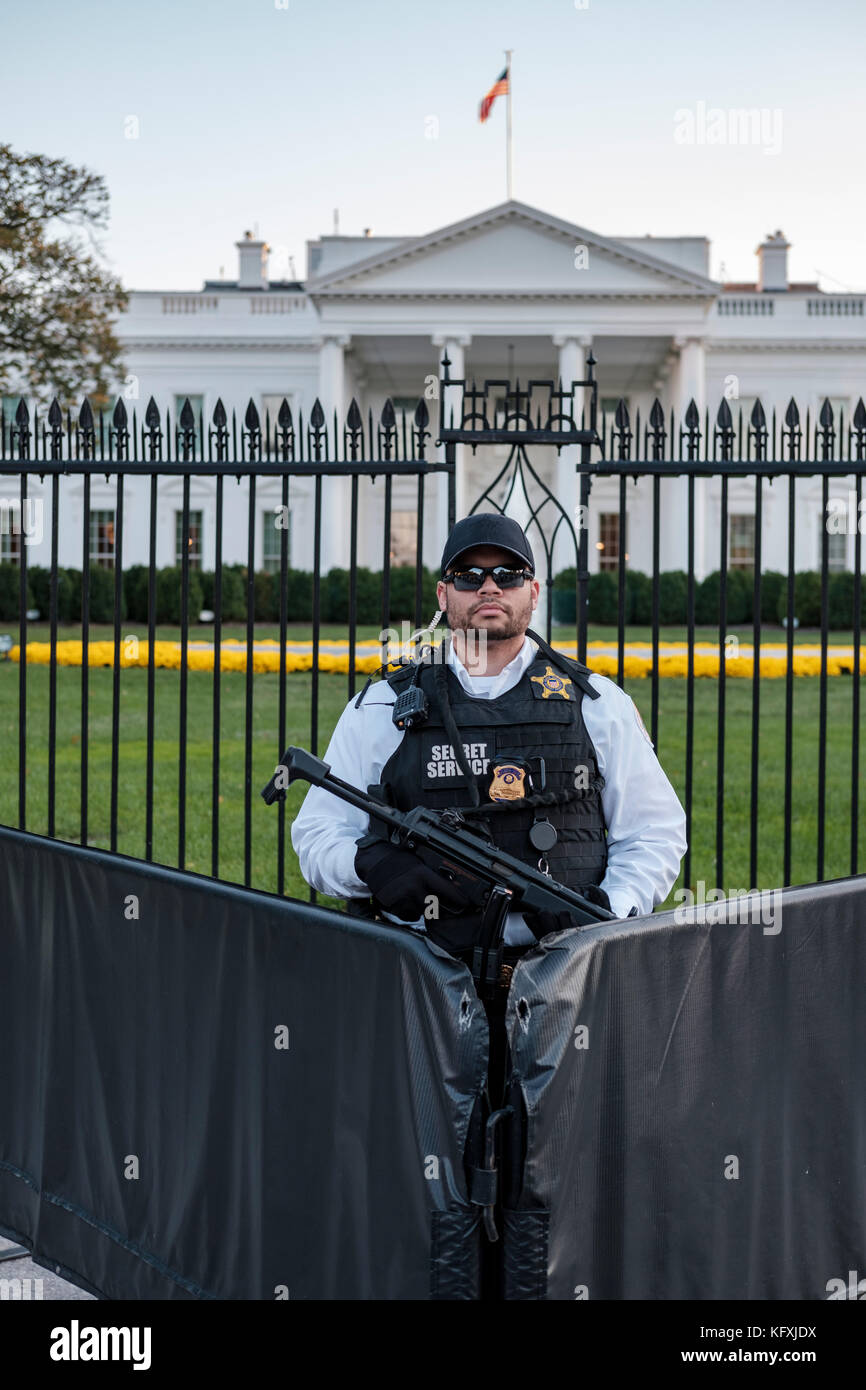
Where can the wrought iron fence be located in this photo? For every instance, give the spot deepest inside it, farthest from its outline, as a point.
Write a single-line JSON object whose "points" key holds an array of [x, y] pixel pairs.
{"points": [[57, 447], [784, 449], [661, 450]]}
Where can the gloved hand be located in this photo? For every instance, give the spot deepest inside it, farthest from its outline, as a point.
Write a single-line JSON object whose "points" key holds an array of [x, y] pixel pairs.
{"points": [[402, 881], [596, 895], [543, 923]]}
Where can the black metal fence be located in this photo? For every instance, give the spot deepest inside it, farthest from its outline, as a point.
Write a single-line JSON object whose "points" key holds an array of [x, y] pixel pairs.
{"points": [[56, 447], [542, 415], [783, 450], [663, 448]]}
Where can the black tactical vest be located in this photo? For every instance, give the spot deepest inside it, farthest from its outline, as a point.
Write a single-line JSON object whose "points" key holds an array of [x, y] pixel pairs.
{"points": [[540, 717]]}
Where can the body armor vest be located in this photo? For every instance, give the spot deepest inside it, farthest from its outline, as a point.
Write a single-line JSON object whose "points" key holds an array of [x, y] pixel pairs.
{"points": [[539, 718]]}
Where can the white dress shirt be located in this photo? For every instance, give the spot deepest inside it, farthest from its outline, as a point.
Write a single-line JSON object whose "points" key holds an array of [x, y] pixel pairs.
{"points": [[645, 822]]}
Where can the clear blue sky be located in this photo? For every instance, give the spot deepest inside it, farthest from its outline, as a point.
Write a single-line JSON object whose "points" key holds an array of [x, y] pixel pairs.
{"points": [[250, 113]]}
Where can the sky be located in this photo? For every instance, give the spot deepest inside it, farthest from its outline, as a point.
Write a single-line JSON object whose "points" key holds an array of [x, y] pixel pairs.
{"points": [[210, 117]]}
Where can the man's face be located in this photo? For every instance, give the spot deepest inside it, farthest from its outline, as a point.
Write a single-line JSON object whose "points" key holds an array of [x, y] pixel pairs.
{"points": [[500, 613]]}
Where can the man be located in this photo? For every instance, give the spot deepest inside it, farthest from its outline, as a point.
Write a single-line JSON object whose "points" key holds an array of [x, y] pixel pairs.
{"points": [[553, 762]]}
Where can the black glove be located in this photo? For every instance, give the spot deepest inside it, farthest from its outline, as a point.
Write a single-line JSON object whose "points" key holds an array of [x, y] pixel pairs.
{"points": [[543, 923], [594, 894], [403, 880]]}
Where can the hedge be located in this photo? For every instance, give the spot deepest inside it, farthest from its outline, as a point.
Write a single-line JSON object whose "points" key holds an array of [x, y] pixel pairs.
{"points": [[333, 594], [673, 598]]}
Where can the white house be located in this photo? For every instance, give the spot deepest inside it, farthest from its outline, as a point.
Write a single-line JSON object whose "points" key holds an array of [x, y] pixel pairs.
{"points": [[509, 292]]}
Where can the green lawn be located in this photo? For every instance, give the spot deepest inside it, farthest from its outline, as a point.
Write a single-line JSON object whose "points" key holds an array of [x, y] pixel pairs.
{"points": [[333, 693]]}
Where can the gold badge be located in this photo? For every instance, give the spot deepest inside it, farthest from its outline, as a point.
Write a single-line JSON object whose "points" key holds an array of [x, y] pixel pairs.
{"points": [[552, 684], [507, 784]]}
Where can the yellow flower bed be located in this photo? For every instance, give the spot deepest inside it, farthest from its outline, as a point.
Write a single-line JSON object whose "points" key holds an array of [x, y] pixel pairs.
{"points": [[602, 658], [168, 654]]}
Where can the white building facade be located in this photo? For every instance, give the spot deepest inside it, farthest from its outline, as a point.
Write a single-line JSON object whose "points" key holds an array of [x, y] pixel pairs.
{"points": [[510, 292]]}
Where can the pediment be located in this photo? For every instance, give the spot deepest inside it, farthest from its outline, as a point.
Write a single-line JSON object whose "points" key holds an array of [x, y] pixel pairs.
{"points": [[511, 251]]}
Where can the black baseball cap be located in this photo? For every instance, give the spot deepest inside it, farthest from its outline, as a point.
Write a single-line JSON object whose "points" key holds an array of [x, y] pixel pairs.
{"points": [[487, 528]]}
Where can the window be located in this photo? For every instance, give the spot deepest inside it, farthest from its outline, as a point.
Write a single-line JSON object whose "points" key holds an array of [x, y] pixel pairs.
{"points": [[841, 407], [9, 405], [102, 539], [10, 532], [403, 532], [744, 405], [102, 407], [270, 411], [837, 547], [273, 531], [607, 411], [197, 403], [193, 539], [741, 542], [607, 544]]}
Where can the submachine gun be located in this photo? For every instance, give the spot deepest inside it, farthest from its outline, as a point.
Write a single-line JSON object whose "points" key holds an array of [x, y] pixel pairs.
{"points": [[507, 883]]}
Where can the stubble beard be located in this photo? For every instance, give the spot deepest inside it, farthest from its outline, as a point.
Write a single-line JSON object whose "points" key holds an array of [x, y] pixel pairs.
{"points": [[503, 629]]}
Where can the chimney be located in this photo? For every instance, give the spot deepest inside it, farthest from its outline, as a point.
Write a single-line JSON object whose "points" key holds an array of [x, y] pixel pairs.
{"points": [[252, 263], [773, 263]]}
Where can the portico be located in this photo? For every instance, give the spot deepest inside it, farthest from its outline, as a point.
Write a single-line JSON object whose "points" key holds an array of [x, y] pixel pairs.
{"points": [[509, 293], [516, 293]]}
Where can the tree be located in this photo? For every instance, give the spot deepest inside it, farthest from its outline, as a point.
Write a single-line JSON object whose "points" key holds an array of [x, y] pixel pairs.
{"points": [[56, 301]]}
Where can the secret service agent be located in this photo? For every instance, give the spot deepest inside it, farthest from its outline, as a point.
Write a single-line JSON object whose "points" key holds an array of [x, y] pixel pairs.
{"points": [[550, 760]]}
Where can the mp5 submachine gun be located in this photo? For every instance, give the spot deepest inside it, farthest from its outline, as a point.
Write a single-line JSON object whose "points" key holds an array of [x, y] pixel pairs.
{"points": [[460, 853]]}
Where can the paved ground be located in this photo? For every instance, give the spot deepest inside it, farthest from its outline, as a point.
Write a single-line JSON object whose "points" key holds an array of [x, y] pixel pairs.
{"points": [[52, 1286]]}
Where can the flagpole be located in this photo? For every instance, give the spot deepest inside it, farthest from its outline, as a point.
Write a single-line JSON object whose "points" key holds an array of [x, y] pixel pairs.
{"points": [[508, 180]]}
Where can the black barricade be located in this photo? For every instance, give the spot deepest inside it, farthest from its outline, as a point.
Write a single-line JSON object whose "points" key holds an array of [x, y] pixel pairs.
{"points": [[694, 1096], [207, 1092]]}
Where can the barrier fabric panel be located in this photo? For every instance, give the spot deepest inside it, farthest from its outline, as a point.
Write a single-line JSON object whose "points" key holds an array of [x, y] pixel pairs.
{"points": [[694, 1087], [207, 1092]]}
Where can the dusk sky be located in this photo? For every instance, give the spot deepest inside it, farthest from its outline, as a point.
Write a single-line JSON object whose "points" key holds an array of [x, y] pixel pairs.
{"points": [[256, 113]]}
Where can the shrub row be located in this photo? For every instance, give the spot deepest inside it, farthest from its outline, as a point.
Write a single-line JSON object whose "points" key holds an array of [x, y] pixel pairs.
{"points": [[673, 598], [333, 594]]}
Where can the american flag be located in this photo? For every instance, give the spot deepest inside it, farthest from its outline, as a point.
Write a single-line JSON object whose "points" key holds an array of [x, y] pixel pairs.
{"points": [[499, 89]]}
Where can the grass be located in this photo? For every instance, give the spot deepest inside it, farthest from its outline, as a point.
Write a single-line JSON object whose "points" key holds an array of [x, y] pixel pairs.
{"points": [[334, 690]]}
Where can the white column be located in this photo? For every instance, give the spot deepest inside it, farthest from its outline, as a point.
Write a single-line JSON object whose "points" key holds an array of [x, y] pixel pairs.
{"points": [[573, 351], [335, 491], [689, 384], [452, 344]]}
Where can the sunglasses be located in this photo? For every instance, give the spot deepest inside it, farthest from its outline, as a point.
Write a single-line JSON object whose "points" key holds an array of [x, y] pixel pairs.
{"points": [[503, 577]]}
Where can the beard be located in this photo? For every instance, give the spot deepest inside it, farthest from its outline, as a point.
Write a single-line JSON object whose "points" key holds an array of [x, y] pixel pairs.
{"points": [[500, 629]]}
